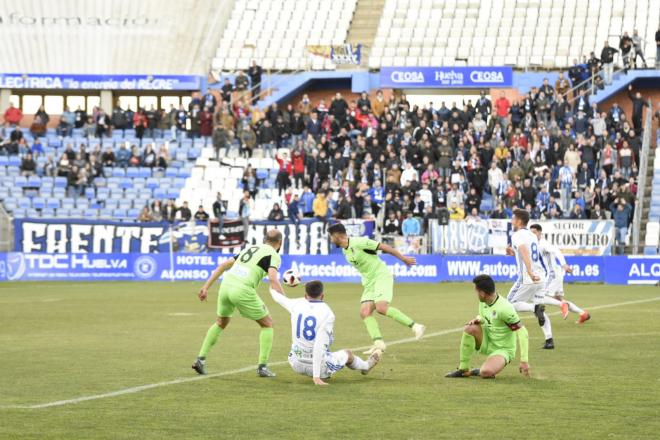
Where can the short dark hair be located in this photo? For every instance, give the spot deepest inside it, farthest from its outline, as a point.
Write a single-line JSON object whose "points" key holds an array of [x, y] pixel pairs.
{"points": [[537, 227], [522, 215], [314, 289], [337, 228], [484, 283]]}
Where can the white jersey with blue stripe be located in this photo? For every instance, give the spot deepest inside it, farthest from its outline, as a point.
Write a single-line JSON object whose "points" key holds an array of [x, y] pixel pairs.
{"points": [[525, 237], [312, 324], [551, 258]]}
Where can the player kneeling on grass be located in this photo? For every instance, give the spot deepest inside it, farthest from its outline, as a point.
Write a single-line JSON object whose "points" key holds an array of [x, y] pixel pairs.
{"points": [[492, 333], [312, 322], [238, 290]]}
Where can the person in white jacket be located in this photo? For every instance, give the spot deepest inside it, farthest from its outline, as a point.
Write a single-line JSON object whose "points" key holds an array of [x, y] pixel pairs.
{"points": [[312, 323], [555, 266]]}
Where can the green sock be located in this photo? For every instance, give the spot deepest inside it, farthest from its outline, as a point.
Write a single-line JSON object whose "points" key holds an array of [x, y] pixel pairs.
{"points": [[372, 327], [210, 340], [468, 347], [399, 316], [265, 344]]}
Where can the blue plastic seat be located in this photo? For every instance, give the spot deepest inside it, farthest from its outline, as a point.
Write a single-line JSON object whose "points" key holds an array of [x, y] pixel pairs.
{"points": [[4, 161], [48, 213], [126, 183], [145, 172], [52, 203], [119, 214], [90, 213], [20, 181], [82, 203], [173, 193], [118, 172], [19, 212], [25, 203], [102, 193], [34, 182], [171, 173], [38, 203], [14, 161], [160, 193], [60, 182], [105, 213], [152, 183], [133, 172]]}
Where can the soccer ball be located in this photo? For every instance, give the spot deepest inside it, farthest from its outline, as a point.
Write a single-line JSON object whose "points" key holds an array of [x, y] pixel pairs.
{"points": [[291, 278]]}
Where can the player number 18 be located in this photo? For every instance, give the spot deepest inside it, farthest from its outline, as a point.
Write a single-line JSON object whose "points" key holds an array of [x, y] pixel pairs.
{"points": [[308, 327]]}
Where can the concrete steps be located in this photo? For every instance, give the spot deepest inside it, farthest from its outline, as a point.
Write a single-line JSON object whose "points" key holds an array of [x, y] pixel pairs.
{"points": [[364, 27]]}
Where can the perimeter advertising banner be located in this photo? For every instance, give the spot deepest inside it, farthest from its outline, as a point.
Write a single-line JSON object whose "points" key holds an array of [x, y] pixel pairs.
{"points": [[17, 266], [445, 77], [572, 237], [81, 236]]}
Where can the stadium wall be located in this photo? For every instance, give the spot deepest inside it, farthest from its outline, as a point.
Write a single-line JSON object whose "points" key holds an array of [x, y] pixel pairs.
{"points": [[19, 266]]}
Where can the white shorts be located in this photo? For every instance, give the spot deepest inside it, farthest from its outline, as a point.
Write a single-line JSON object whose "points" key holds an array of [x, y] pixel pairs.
{"points": [[333, 362], [555, 286], [533, 293]]}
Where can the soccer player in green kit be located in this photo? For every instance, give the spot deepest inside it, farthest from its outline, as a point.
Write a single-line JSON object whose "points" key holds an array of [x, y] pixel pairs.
{"points": [[492, 333], [238, 290], [377, 280]]}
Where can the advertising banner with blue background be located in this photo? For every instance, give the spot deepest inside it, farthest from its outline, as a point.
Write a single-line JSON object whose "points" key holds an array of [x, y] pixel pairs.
{"points": [[18, 266], [99, 82], [445, 77]]}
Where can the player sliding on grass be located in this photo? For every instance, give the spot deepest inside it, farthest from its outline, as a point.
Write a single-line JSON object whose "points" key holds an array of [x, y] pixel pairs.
{"points": [[238, 290], [530, 283], [377, 280], [312, 324], [554, 286], [492, 333]]}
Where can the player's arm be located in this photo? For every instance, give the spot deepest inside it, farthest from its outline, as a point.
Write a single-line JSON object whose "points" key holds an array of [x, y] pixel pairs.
{"points": [[321, 344], [281, 299], [274, 280], [409, 261], [514, 323], [217, 273], [556, 253], [527, 261]]}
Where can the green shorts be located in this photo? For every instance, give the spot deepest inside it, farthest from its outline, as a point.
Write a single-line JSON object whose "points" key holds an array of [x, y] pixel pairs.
{"points": [[489, 349], [378, 288], [248, 303]]}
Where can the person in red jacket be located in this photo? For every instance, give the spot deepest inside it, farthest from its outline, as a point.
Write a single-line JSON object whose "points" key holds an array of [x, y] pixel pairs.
{"points": [[298, 167], [286, 169], [205, 122], [502, 106], [13, 115]]}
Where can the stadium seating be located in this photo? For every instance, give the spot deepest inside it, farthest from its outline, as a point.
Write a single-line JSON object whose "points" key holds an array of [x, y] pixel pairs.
{"points": [[278, 32], [119, 195], [500, 32]]}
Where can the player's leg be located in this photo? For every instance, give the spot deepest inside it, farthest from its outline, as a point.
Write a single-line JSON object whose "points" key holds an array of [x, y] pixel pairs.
{"points": [[493, 365], [265, 345], [538, 295], [367, 308], [225, 311], [384, 293], [553, 294], [583, 314], [472, 341], [355, 362]]}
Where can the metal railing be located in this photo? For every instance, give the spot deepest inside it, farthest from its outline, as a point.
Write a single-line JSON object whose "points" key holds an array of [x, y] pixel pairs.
{"points": [[6, 231], [641, 179], [590, 83]]}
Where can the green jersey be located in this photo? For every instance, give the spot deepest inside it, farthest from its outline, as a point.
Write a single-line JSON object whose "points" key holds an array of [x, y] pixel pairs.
{"points": [[362, 254], [251, 265], [500, 321]]}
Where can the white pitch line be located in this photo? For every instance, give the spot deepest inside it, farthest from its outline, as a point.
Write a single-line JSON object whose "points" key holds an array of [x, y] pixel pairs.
{"points": [[141, 388]]}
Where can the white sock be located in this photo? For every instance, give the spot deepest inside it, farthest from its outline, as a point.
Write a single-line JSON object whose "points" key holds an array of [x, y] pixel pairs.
{"points": [[523, 307], [573, 308], [358, 364], [547, 328], [551, 301]]}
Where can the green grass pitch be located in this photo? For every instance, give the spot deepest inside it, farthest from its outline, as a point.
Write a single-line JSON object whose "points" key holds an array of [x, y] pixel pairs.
{"points": [[61, 341]]}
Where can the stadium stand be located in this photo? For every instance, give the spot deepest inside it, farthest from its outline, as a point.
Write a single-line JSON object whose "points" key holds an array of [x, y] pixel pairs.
{"points": [[279, 32], [498, 32]]}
